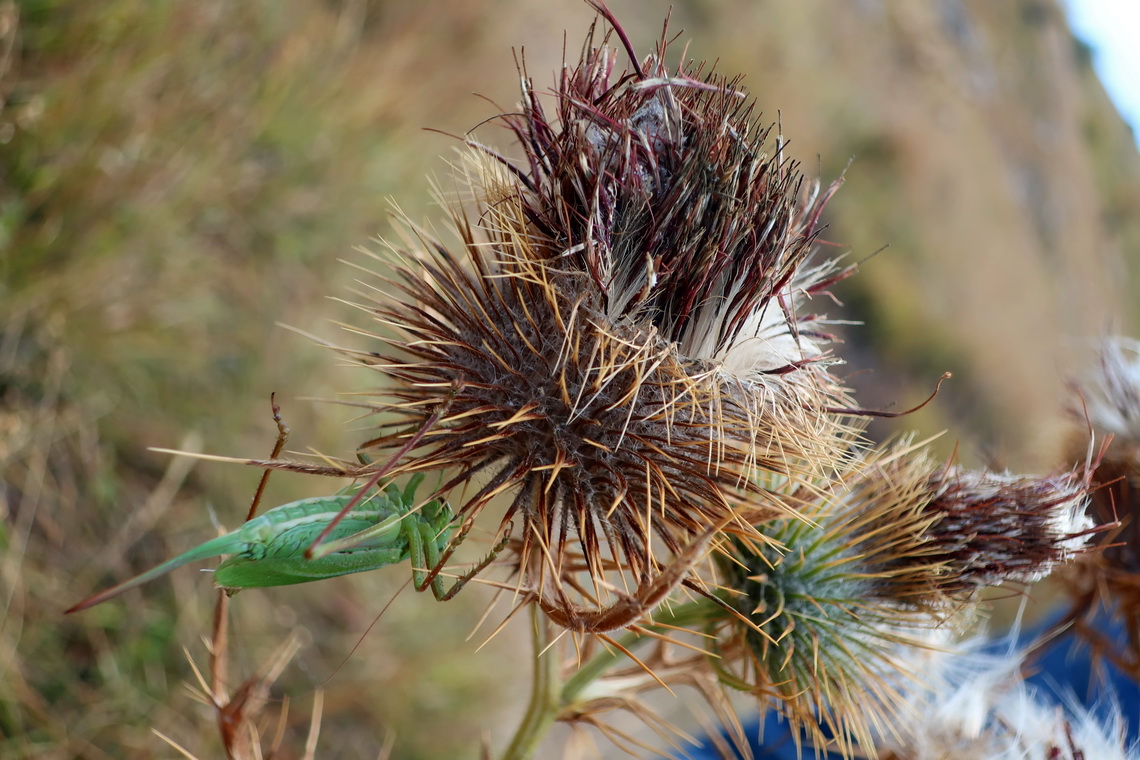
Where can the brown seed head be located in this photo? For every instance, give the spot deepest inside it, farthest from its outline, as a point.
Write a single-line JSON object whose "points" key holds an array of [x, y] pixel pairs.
{"points": [[617, 344], [598, 429], [684, 213]]}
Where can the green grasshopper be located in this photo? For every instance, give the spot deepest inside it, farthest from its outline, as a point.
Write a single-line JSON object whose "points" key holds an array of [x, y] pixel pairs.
{"points": [[270, 550]]}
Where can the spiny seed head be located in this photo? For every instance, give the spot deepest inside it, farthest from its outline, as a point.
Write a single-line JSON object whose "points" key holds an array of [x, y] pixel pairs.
{"points": [[683, 212], [967, 529], [597, 428], [617, 344], [821, 624], [893, 549]]}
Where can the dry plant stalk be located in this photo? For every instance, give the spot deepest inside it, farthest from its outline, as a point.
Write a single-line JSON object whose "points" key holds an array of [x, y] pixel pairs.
{"points": [[240, 714]]}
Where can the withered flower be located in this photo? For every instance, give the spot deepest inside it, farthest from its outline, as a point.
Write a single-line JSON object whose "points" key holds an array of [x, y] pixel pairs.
{"points": [[996, 528], [1107, 399], [619, 344], [1106, 404], [821, 629]]}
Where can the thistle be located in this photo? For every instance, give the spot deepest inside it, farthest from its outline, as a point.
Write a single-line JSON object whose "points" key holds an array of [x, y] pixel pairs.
{"points": [[1109, 409], [1108, 402], [821, 629], [619, 343]]}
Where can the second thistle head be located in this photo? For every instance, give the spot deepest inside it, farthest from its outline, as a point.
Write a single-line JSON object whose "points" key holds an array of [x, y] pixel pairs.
{"points": [[825, 628]]}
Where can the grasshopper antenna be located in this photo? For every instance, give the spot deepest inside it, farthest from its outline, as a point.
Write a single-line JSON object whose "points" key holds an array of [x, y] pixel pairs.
{"points": [[282, 436]]}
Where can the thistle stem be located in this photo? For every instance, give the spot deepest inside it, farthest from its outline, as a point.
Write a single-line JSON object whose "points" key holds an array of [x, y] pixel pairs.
{"points": [[549, 696], [545, 703], [597, 665]]}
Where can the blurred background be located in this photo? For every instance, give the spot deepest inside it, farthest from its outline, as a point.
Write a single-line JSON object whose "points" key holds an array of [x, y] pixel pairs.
{"points": [[178, 178]]}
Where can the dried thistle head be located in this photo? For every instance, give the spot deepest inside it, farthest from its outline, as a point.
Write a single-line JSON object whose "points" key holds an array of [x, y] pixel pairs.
{"points": [[1107, 400], [618, 344], [1106, 405], [683, 211], [1110, 391], [822, 628], [997, 528]]}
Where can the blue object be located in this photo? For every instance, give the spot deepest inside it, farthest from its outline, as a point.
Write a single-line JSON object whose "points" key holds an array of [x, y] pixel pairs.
{"points": [[1063, 670], [779, 743]]}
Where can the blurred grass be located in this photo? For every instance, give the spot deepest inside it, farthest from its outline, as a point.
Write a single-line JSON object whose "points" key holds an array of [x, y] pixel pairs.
{"points": [[176, 178]]}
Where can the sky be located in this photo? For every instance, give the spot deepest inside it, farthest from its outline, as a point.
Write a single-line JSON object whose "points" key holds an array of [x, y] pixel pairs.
{"points": [[1112, 29]]}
